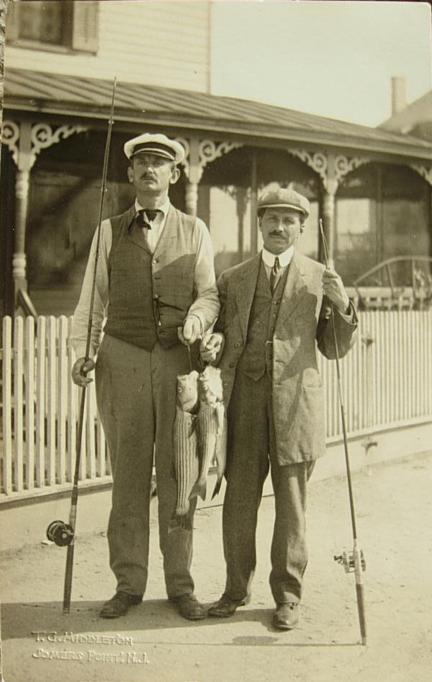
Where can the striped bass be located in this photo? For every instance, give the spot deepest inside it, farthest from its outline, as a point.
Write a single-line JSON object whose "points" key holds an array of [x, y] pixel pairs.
{"points": [[186, 461], [211, 428]]}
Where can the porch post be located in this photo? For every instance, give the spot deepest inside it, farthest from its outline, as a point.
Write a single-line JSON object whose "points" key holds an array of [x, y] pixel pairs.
{"points": [[194, 174], [25, 140], [241, 199], [200, 152], [253, 205], [329, 222], [24, 163], [330, 188]]}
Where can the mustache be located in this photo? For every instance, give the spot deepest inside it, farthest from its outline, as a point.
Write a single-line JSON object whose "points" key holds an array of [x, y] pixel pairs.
{"points": [[276, 234], [148, 176]]}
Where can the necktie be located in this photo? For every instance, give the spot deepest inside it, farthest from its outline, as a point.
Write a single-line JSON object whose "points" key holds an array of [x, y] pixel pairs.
{"points": [[145, 216], [274, 274]]}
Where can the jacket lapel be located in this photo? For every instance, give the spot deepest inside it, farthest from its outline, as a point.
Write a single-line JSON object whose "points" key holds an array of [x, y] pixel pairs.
{"points": [[295, 288], [246, 291]]}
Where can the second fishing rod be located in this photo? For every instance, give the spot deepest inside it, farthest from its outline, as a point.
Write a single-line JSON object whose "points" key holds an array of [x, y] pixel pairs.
{"points": [[352, 562]]}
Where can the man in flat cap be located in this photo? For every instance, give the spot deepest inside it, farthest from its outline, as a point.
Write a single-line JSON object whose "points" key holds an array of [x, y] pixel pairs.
{"points": [[156, 286], [274, 315]]}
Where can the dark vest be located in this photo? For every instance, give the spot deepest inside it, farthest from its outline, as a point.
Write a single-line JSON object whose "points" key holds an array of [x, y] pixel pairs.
{"points": [[256, 358], [150, 294]]}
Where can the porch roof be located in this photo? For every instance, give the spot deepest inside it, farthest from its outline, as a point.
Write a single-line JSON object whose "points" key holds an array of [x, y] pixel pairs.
{"points": [[90, 98]]}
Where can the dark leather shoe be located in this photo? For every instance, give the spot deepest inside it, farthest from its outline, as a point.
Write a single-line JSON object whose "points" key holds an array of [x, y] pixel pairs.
{"points": [[189, 607], [225, 607], [119, 605], [286, 616]]}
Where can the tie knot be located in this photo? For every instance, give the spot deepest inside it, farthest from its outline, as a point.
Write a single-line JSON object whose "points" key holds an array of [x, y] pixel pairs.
{"points": [[276, 265], [145, 216], [151, 213]]}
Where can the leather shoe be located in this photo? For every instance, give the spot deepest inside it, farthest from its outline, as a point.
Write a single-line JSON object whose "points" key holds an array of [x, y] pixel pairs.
{"points": [[119, 605], [286, 616], [189, 607], [225, 607]]}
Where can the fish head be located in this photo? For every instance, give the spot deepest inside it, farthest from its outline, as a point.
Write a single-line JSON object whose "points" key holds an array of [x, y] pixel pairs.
{"points": [[210, 385], [187, 390]]}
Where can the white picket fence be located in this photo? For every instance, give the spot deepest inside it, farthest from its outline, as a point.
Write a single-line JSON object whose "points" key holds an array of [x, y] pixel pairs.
{"points": [[40, 410], [386, 381]]}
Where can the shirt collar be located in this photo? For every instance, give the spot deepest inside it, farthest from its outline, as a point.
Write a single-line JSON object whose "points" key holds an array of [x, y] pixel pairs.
{"points": [[284, 258], [164, 208]]}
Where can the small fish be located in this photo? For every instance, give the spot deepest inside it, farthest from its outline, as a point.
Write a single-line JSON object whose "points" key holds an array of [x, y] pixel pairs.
{"points": [[211, 429], [187, 391], [186, 461]]}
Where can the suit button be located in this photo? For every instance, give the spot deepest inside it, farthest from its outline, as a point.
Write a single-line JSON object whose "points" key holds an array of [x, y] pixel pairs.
{"points": [[237, 345], [231, 365], [155, 261]]}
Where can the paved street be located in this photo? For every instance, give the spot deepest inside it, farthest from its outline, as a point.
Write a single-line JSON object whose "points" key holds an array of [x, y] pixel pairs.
{"points": [[152, 643]]}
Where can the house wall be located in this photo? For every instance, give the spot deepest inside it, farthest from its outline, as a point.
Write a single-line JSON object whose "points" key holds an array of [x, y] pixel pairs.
{"points": [[156, 43]]}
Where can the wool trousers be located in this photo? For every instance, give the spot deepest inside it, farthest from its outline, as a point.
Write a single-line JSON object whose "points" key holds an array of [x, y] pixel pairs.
{"points": [[252, 450], [136, 391]]}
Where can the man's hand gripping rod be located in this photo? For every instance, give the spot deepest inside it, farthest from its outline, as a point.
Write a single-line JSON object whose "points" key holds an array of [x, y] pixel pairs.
{"points": [[58, 531], [355, 562]]}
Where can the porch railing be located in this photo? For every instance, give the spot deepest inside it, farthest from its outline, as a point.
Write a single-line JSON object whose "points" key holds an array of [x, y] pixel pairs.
{"points": [[387, 381]]}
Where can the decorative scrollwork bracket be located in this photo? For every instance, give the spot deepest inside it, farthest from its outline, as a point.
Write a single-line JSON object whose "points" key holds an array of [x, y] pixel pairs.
{"points": [[26, 140]]}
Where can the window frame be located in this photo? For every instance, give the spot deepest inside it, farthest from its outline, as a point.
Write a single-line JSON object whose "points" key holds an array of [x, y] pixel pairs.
{"points": [[73, 19]]}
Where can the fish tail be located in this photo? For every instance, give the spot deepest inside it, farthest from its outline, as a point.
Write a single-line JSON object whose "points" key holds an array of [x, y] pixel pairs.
{"points": [[177, 521], [217, 487], [200, 488]]}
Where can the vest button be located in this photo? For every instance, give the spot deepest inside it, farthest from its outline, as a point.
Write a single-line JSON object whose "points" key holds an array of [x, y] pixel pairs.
{"points": [[155, 297], [155, 261]]}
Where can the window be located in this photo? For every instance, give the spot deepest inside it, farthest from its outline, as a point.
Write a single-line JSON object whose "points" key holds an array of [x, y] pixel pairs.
{"points": [[54, 25]]}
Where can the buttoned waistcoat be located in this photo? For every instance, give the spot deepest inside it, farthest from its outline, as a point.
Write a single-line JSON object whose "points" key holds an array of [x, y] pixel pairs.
{"points": [[301, 329], [150, 293]]}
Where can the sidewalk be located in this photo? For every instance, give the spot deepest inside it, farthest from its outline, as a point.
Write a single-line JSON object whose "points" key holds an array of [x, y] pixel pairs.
{"points": [[153, 644]]}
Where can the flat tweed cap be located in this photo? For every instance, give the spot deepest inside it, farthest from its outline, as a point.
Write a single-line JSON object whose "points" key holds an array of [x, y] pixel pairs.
{"points": [[155, 143], [284, 198]]}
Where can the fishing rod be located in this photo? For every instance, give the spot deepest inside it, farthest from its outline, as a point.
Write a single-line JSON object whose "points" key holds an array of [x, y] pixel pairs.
{"points": [[355, 561], [61, 533]]}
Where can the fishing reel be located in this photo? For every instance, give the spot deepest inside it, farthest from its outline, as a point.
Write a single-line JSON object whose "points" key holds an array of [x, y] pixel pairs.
{"points": [[346, 559], [60, 533]]}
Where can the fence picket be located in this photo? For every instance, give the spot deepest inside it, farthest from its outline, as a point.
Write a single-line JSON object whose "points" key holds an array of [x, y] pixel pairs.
{"points": [[30, 401], [72, 412], [40, 402], [7, 406], [51, 397], [62, 387], [18, 403]]}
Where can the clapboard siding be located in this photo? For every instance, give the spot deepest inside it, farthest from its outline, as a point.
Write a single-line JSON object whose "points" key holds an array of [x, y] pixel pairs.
{"points": [[156, 43]]}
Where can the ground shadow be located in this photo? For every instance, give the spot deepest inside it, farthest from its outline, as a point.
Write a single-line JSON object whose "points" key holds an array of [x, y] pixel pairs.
{"points": [[26, 620]]}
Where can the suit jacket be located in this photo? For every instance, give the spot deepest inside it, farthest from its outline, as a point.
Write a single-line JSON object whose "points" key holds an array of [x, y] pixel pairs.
{"points": [[301, 328]]}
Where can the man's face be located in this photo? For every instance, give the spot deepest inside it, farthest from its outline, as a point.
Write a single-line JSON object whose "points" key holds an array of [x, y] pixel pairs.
{"points": [[280, 228], [152, 174]]}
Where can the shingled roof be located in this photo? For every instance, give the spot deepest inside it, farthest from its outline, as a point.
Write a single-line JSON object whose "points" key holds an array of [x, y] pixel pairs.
{"points": [[84, 97]]}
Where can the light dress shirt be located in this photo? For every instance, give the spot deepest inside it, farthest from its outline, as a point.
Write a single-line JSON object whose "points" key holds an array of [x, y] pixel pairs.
{"points": [[284, 260], [157, 225], [205, 307]]}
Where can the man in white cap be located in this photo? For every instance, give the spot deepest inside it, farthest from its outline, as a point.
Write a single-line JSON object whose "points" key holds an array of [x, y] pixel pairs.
{"points": [[156, 286], [274, 315]]}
